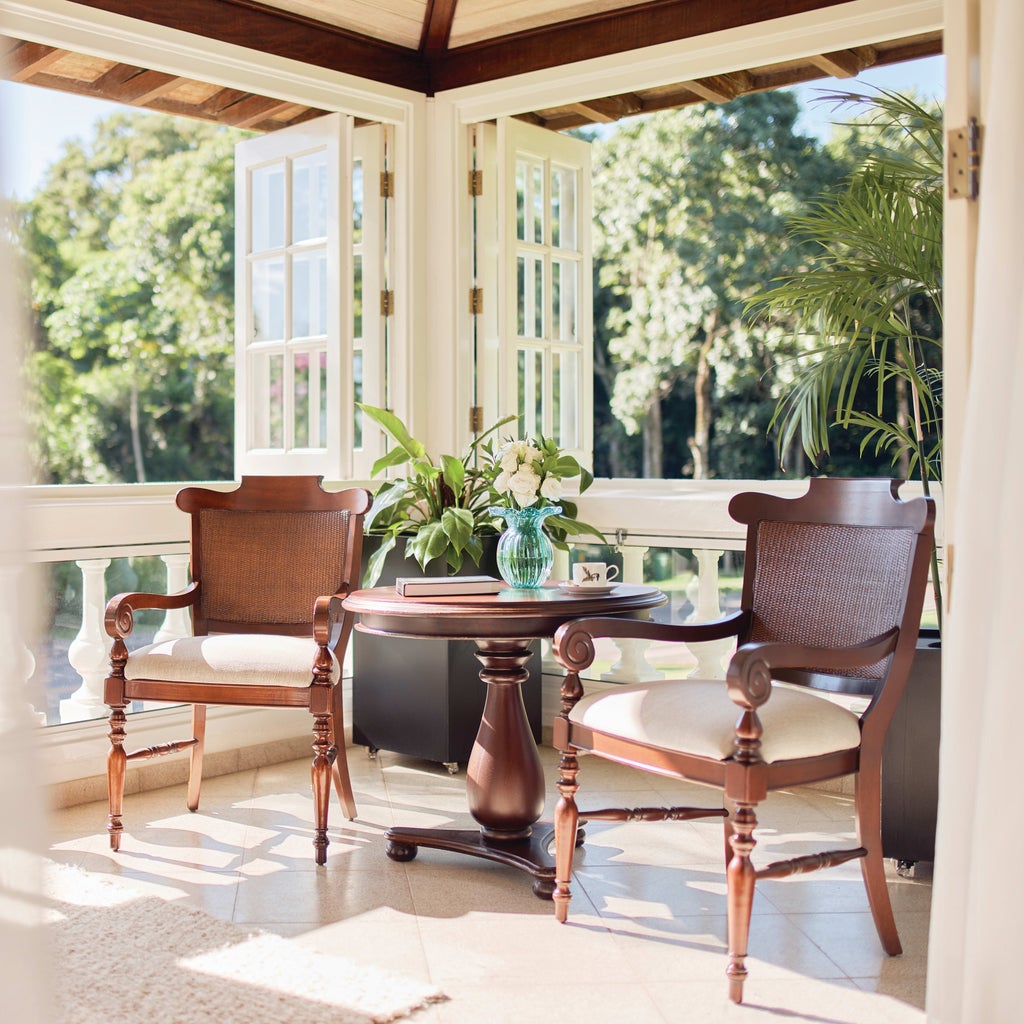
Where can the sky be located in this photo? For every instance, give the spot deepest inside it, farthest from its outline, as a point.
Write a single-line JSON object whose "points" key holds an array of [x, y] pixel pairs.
{"points": [[35, 122]]}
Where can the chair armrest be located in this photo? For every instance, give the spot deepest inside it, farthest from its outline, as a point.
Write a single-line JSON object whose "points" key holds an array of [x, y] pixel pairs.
{"points": [[749, 676], [119, 620], [328, 617], [574, 641]]}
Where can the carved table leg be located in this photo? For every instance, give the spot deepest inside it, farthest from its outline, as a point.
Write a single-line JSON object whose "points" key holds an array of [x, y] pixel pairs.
{"points": [[504, 779]]}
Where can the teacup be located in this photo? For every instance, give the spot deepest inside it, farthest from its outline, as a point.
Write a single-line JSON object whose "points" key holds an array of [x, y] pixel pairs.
{"points": [[593, 574]]}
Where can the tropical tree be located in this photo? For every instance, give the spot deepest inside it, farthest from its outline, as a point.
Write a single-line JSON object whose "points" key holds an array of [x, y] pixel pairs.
{"points": [[689, 208], [130, 249]]}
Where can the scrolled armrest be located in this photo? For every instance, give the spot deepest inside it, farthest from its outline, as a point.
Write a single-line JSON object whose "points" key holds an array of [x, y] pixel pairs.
{"points": [[574, 641], [119, 617], [327, 619], [749, 676]]}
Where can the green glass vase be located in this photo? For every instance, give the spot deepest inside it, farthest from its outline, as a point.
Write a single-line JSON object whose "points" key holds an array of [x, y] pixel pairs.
{"points": [[525, 552]]}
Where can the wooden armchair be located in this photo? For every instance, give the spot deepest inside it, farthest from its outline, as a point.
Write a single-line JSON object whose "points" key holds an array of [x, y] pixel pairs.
{"points": [[833, 588], [271, 562]]}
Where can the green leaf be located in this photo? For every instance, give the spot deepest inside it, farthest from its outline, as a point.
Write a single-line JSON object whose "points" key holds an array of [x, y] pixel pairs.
{"points": [[375, 563], [395, 428]]}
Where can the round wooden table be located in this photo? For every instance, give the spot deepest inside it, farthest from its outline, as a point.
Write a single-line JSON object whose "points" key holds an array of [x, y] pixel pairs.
{"points": [[504, 779]]}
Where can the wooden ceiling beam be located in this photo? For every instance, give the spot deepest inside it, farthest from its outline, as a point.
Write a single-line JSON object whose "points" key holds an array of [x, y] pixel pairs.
{"points": [[597, 35], [293, 36], [135, 89], [251, 111], [30, 59], [720, 88], [437, 28], [845, 63]]}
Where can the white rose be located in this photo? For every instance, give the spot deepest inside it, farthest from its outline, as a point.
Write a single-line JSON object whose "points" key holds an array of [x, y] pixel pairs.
{"points": [[524, 486], [531, 454], [551, 489], [501, 481], [509, 462]]}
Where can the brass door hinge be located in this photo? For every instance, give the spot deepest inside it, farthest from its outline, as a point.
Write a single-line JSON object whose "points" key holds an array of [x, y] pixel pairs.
{"points": [[476, 419], [476, 183], [963, 156], [476, 301], [387, 184], [387, 302]]}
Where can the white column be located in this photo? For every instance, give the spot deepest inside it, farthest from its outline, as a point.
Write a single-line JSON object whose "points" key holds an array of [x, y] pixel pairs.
{"points": [[707, 607], [177, 621], [89, 650], [632, 666]]}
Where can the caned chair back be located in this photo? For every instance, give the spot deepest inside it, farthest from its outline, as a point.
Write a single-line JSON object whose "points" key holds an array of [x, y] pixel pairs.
{"points": [[826, 575], [262, 559]]}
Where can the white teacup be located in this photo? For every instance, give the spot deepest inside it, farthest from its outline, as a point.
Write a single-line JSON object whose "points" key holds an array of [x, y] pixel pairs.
{"points": [[593, 574]]}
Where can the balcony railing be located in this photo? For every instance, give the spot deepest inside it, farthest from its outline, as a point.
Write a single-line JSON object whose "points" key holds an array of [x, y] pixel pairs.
{"points": [[91, 526]]}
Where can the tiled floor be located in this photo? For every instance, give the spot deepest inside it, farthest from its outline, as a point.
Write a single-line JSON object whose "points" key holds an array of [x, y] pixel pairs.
{"points": [[646, 934]]}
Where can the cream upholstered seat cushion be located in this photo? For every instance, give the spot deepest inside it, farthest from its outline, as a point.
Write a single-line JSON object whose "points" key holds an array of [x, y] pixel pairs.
{"points": [[698, 717], [229, 658]]}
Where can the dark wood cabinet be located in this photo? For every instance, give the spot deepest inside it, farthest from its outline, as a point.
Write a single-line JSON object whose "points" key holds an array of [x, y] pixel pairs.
{"points": [[910, 763], [424, 698]]}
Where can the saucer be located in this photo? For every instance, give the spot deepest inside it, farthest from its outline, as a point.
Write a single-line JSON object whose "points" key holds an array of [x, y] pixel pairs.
{"points": [[593, 589]]}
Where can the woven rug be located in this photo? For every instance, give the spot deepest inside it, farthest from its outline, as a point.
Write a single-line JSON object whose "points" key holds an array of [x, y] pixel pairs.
{"points": [[120, 956]]}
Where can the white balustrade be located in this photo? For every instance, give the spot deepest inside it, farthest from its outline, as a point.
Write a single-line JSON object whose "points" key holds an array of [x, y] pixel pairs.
{"points": [[632, 666], [88, 652], [707, 606], [177, 622]]}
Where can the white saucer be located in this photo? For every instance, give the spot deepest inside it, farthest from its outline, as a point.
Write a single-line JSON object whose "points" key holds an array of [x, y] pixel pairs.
{"points": [[587, 588]]}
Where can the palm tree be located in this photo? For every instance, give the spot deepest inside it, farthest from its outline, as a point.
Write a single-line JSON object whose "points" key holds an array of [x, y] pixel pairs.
{"points": [[870, 300]]}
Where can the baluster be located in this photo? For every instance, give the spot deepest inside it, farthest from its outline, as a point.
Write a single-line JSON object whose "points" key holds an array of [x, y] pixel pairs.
{"points": [[559, 572], [707, 607], [88, 651], [177, 622], [632, 666]]}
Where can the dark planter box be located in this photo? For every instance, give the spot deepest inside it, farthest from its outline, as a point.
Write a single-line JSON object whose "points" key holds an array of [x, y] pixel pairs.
{"points": [[910, 762], [424, 698]]}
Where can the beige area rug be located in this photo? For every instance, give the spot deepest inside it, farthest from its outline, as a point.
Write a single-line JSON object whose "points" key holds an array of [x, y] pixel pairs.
{"points": [[121, 956]]}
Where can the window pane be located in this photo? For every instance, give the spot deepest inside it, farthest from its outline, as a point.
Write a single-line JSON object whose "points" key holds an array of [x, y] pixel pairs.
{"points": [[538, 299], [268, 207], [357, 393], [521, 200], [309, 294], [268, 400], [302, 396], [563, 300], [521, 296], [357, 297], [530, 374], [563, 208], [358, 203], [321, 441], [309, 196], [564, 392], [537, 189], [268, 299]]}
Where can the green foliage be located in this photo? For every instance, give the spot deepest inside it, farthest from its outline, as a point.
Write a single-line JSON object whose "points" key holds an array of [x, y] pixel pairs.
{"points": [[441, 508], [689, 208], [869, 304], [130, 247]]}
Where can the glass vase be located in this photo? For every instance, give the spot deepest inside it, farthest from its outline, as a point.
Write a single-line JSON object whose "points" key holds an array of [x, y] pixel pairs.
{"points": [[525, 553]]}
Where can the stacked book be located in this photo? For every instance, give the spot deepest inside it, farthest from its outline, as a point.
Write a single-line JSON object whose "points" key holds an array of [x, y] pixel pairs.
{"points": [[442, 586]]}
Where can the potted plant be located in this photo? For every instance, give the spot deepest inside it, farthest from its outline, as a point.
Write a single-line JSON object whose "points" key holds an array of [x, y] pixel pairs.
{"points": [[424, 697], [870, 301], [441, 510]]}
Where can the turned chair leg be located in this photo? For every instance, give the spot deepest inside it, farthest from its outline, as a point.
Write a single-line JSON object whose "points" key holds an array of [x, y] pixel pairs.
{"points": [[727, 829], [116, 765], [342, 780], [321, 782], [567, 819], [740, 878], [868, 805], [195, 761]]}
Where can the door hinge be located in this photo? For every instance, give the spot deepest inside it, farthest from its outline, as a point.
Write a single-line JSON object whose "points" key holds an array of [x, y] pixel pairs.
{"points": [[476, 183], [476, 419], [476, 301], [387, 302], [387, 184], [963, 154]]}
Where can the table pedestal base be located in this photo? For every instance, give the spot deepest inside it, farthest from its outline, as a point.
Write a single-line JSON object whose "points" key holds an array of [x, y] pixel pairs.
{"points": [[530, 854]]}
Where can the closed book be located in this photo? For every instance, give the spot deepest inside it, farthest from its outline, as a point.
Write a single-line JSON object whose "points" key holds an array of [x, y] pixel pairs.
{"points": [[439, 586]]}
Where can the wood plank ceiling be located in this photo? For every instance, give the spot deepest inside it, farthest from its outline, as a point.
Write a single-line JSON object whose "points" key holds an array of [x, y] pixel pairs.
{"points": [[432, 45]]}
